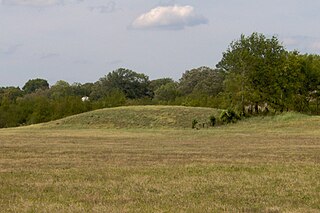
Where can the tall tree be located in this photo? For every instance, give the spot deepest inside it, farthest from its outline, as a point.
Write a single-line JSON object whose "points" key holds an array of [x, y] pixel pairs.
{"points": [[202, 80], [61, 89], [132, 84], [157, 83], [257, 64], [35, 84], [10, 93], [310, 83], [167, 93]]}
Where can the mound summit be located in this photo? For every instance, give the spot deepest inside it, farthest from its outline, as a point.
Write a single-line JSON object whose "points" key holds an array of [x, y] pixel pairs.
{"points": [[137, 117]]}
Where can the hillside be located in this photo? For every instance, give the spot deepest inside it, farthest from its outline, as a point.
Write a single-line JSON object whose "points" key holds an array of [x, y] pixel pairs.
{"points": [[137, 117]]}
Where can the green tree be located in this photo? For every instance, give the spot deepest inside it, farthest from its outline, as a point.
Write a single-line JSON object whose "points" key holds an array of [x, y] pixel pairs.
{"points": [[134, 85], [35, 84], [10, 93], [80, 90], [42, 110], [69, 105], [202, 80], [309, 90], [157, 83], [167, 93], [257, 64], [61, 89], [9, 115], [114, 98]]}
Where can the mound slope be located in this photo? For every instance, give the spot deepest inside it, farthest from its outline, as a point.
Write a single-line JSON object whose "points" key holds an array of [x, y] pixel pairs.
{"points": [[137, 117]]}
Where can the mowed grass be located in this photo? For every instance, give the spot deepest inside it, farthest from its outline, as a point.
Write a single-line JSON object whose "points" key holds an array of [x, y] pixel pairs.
{"points": [[269, 164]]}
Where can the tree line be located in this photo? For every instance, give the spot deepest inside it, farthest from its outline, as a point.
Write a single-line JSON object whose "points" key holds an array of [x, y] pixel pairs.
{"points": [[256, 74]]}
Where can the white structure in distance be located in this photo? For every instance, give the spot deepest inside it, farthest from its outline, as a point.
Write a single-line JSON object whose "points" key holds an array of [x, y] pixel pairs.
{"points": [[85, 98]]}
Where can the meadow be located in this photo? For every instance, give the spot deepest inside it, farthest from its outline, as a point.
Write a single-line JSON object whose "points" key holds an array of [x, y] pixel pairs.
{"points": [[94, 162]]}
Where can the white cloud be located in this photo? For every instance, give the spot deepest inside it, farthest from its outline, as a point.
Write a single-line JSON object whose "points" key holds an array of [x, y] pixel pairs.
{"points": [[169, 17]]}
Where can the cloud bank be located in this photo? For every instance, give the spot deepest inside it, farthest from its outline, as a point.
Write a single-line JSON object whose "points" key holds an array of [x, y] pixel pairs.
{"points": [[169, 17]]}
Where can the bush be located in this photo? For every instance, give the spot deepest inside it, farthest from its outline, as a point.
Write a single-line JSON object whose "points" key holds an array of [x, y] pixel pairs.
{"points": [[229, 116], [212, 120], [194, 123]]}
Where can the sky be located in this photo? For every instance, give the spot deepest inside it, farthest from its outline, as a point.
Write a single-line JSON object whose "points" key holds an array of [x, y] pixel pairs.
{"points": [[82, 40]]}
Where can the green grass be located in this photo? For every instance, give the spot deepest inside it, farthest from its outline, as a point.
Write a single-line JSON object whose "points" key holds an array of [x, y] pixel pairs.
{"points": [[138, 117], [264, 164]]}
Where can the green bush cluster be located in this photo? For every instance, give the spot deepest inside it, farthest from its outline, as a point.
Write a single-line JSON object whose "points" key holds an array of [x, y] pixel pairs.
{"points": [[229, 116], [226, 117], [194, 123], [212, 120]]}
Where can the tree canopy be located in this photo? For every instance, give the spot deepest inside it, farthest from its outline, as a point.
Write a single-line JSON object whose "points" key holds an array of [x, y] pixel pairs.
{"points": [[255, 67], [132, 84], [203, 80], [35, 84]]}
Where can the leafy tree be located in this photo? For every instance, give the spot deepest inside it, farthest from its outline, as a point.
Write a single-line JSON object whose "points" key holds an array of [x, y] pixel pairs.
{"points": [[61, 89], [134, 85], [257, 65], [98, 91], [167, 92], [10, 93], [157, 83], [9, 115], [115, 98], [69, 105], [35, 84], [78, 89], [202, 80], [310, 83], [41, 110]]}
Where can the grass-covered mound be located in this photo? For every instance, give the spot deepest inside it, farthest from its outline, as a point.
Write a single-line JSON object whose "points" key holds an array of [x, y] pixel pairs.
{"points": [[138, 117]]}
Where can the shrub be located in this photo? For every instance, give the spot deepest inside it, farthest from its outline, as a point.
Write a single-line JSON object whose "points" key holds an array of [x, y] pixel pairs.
{"points": [[229, 116], [194, 123], [212, 120]]}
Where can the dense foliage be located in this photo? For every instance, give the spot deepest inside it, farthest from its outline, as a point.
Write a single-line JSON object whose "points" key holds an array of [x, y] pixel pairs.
{"points": [[256, 74], [262, 73]]}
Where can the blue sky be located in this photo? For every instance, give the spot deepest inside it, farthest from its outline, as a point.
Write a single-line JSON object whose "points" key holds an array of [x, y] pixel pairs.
{"points": [[82, 40]]}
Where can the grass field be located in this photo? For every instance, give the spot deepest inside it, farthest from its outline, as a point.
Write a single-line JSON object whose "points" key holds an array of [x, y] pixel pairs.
{"points": [[269, 164]]}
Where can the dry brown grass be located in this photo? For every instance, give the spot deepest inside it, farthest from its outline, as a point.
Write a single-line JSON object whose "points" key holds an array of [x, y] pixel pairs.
{"points": [[260, 165]]}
